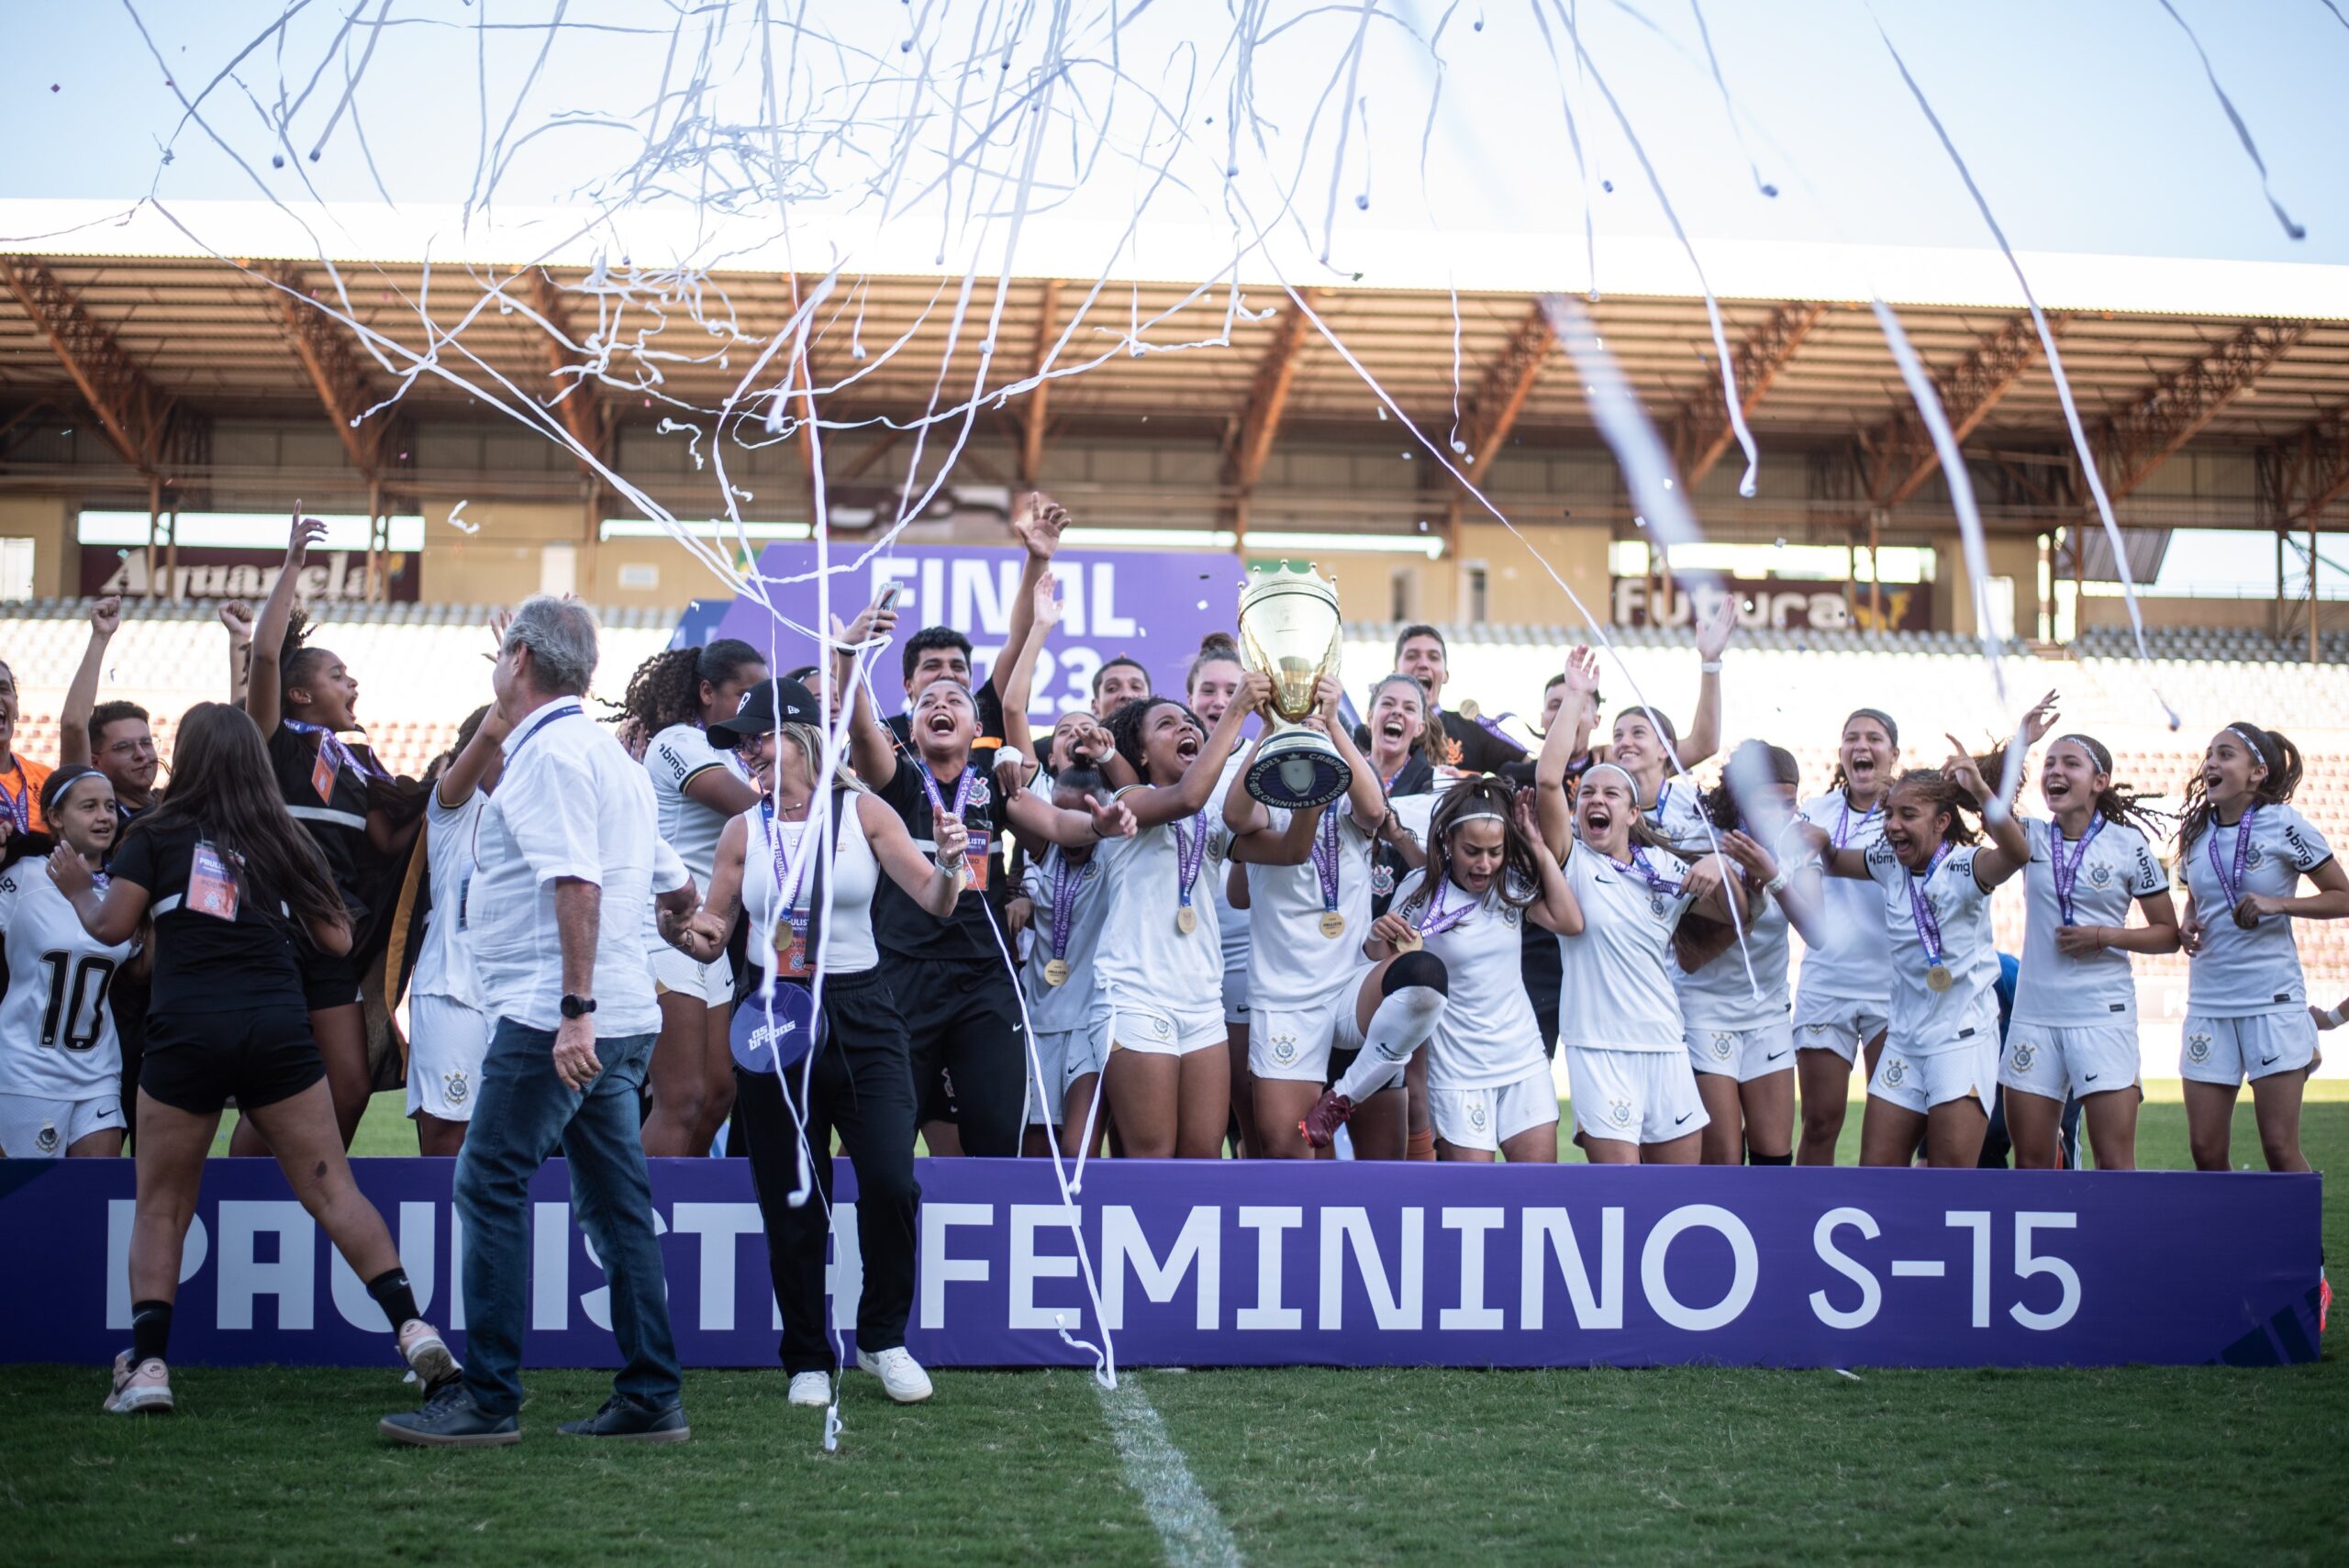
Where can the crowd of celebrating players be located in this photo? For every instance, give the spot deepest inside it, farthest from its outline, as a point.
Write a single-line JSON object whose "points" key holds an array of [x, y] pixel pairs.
{"points": [[1087, 940]]}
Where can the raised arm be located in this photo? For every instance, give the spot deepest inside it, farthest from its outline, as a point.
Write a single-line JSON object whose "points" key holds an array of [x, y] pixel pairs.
{"points": [[262, 694], [82, 695], [1167, 803], [1018, 687], [1704, 737], [1557, 910], [1037, 523], [1798, 892], [1367, 793], [237, 617], [2009, 847], [110, 916], [1292, 846], [1565, 743]]}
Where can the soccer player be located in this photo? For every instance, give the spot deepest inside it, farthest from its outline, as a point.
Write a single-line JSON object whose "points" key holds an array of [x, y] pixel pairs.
{"points": [[1844, 998], [450, 1017], [1160, 966], [1489, 1091], [233, 886], [672, 699], [2244, 850], [60, 1052], [1064, 888], [1208, 686], [1309, 987], [2074, 1030]]}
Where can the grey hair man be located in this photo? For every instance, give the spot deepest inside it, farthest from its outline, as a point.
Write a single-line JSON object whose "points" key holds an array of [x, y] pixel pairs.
{"points": [[569, 834]]}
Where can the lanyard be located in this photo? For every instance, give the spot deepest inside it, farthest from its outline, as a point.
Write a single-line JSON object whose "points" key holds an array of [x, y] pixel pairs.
{"points": [[1921, 911], [2231, 887], [19, 805], [1068, 879], [790, 908], [1639, 864], [2067, 878], [962, 789], [1663, 795], [1325, 860], [340, 756], [1438, 920], [1190, 853], [1843, 818], [560, 710]]}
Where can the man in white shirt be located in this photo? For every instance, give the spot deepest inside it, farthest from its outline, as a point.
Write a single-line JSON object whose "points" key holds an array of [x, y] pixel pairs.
{"points": [[568, 837]]}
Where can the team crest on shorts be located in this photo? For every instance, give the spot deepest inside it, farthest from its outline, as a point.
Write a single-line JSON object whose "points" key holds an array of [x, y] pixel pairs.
{"points": [[2023, 1056], [1162, 1026], [1619, 1112], [457, 1088], [1477, 1115], [46, 1138], [2198, 1048], [1896, 1073], [1284, 1049], [1723, 1044]]}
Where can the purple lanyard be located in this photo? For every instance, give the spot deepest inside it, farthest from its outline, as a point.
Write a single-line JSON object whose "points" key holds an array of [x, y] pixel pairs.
{"points": [[962, 789], [1639, 864], [790, 910], [1663, 795], [560, 710], [1325, 859], [340, 756], [2068, 877], [1844, 819], [1190, 853], [1920, 910], [1438, 921], [2231, 887], [1067, 878], [20, 804]]}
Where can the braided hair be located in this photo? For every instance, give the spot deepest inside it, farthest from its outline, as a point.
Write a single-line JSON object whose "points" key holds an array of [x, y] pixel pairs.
{"points": [[1946, 794], [2276, 753], [1520, 882], [297, 662], [1126, 729], [666, 688]]}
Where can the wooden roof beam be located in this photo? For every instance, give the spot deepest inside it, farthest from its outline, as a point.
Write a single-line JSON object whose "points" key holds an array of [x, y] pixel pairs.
{"points": [[2312, 467], [577, 402], [331, 363], [1901, 455], [1037, 417], [1702, 432], [136, 414], [1243, 464], [1491, 411], [2143, 435]]}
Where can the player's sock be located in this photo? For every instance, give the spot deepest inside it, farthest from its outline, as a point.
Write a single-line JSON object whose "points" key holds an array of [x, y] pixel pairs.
{"points": [[151, 1331], [1402, 1024], [1753, 1158], [391, 1292], [1421, 1145]]}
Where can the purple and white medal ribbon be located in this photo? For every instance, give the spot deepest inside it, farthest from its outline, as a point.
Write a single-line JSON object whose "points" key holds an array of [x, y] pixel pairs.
{"points": [[1843, 818], [1067, 877], [1190, 853], [2231, 887], [1438, 920], [790, 910], [338, 754], [1929, 924], [1325, 867], [19, 803], [962, 790], [2067, 877], [1639, 864]]}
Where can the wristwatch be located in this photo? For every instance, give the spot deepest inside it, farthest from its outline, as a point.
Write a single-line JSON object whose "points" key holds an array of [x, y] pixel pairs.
{"points": [[577, 1007]]}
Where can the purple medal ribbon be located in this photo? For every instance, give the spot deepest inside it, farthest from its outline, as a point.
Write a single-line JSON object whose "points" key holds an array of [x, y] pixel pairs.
{"points": [[20, 804], [1438, 920], [2068, 877], [1639, 864], [341, 756], [790, 910], [1325, 860], [1066, 878], [1190, 853], [1929, 924], [1844, 819], [2231, 887], [962, 790]]}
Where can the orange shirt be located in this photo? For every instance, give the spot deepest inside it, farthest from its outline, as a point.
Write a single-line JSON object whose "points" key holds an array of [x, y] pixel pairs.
{"points": [[24, 776]]}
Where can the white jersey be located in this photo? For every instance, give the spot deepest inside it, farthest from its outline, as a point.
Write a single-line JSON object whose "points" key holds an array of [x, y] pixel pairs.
{"points": [[2240, 972], [2117, 868], [1292, 960], [1719, 995], [1486, 1035], [1925, 1020], [58, 1040], [1855, 963], [678, 755], [1678, 814], [1231, 923], [1052, 1008], [1143, 952], [444, 960], [1617, 991]]}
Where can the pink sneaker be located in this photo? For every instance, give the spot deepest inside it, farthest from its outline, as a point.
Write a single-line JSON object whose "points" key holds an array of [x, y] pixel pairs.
{"points": [[1329, 1114], [423, 1349], [147, 1386]]}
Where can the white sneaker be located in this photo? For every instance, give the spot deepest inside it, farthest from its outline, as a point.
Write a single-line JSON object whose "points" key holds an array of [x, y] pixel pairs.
{"points": [[899, 1374], [811, 1388], [146, 1387]]}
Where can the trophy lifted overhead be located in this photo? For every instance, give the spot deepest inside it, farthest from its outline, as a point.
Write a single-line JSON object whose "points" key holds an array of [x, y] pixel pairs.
{"points": [[1288, 631]]}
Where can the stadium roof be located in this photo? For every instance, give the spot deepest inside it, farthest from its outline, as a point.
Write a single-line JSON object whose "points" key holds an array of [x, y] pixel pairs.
{"points": [[139, 318]]}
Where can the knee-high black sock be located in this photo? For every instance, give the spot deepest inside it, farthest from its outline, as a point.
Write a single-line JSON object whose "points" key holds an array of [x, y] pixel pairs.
{"points": [[391, 1292], [1753, 1158], [150, 1331]]}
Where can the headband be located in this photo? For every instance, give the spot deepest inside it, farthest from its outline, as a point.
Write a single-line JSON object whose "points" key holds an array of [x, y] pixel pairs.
{"points": [[1615, 768], [2256, 739], [1477, 817], [2097, 754], [64, 779], [1891, 730]]}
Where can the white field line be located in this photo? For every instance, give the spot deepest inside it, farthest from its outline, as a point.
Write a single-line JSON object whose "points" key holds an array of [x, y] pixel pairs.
{"points": [[1188, 1527]]}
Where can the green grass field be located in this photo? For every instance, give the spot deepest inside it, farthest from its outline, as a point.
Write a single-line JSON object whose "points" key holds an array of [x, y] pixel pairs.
{"points": [[2183, 1464]]}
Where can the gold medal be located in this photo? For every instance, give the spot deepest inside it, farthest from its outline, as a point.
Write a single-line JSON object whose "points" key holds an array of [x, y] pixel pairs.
{"points": [[1187, 919], [1333, 925], [1939, 977], [1409, 941], [1056, 971]]}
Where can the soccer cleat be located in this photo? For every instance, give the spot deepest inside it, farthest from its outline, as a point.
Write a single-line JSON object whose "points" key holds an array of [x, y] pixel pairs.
{"points": [[146, 1387], [2323, 1300], [1329, 1114], [451, 1420], [424, 1350], [625, 1418], [812, 1389], [899, 1374]]}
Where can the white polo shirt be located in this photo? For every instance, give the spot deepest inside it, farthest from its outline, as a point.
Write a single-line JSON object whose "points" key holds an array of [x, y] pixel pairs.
{"points": [[572, 803]]}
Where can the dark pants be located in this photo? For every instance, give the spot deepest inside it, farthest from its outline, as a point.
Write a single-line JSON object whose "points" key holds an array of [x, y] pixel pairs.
{"points": [[970, 1060], [860, 1086], [523, 1114]]}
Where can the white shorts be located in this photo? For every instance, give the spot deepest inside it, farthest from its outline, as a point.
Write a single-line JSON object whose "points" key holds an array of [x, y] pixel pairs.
{"points": [[677, 974], [446, 1044], [1838, 1024], [1066, 1055], [35, 1129], [1293, 1039], [2058, 1062], [1132, 1024], [1235, 991], [1918, 1082], [2228, 1051], [1634, 1097], [1486, 1118], [1743, 1054]]}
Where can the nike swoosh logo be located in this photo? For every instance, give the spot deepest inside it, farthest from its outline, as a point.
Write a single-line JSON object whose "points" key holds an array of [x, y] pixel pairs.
{"points": [[2269, 1060], [2091, 1078], [1684, 1117], [1776, 1054]]}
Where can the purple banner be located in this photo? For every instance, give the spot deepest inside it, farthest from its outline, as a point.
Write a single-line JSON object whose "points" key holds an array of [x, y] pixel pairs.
{"points": [[1148, 604], [1264, 1264]]}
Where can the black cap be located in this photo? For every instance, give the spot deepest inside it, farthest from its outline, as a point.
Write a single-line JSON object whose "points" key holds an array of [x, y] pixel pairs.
{"points": [[764, 705]]}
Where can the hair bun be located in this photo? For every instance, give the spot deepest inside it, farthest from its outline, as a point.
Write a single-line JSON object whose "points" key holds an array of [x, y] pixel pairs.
{"points": [[1218, 642]]}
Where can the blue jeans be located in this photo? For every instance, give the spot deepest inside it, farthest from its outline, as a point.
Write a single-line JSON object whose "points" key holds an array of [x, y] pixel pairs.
{"points": [[522, 1115]]}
